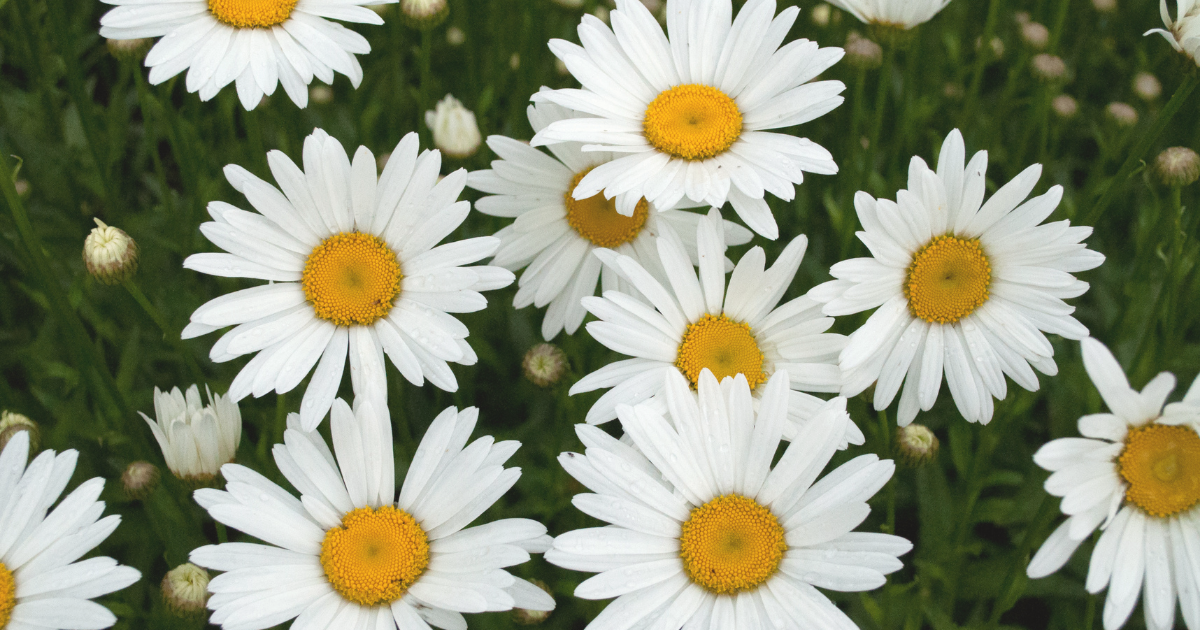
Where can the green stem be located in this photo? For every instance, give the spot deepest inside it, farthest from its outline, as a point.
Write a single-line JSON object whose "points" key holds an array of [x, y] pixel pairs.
{"points": [[169, 332], [80, 345], [1008, 594], [426, 76], [981, 62], [1114, 185], [1060, 21], [881, 94]]}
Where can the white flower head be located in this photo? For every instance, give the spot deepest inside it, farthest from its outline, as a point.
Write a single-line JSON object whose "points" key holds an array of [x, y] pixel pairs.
{"points": [[691, 322], [1184, 31], [903, 14], [42, 585], [689, 114], [454, 130], [196, 439], [1135, 474], [700, 477], [256, 43], [555, 234], [962, 288], [349, 552], [355, 271]]}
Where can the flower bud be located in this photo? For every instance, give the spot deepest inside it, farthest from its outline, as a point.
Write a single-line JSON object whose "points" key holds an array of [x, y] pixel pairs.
{"points": [[1022, 18], [454, 130], [424, 14], [523, 617], [1178, 167], [1105, 6], [1049, 67], [1035, 35], [916, 445], [569, 4], [14, 423], [22, 187], [110, 255], [514, 61], [1123, 114], [863, 53], [544, 364], [1147, 86], [1064, 106], [455, 36], [821, 14], [129, 49], [320, 94], [139, 480], [196, 439], [185, 590]]}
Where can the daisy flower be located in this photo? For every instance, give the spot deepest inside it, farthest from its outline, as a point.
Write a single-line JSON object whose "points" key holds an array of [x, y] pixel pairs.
{"points": [[41, 584], [1184, 31], [354, 268], [705, 533], [691, 112], [903, 14], [555, 234], [1135, 474], [258, 43], [962, 287], [348, 553], [696, 325]]}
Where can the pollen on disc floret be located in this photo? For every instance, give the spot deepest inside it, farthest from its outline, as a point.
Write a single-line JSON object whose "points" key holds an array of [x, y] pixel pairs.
{"points": [[1161, 464], [251, 13], [352, 278], [724, 346], [8, 595], [731, 544], [597, 220], [375, 555], [692, 122], [948, 279]]}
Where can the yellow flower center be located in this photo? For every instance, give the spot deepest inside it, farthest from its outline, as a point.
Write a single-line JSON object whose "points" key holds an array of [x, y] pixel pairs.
{"points": [[251, 13], [597, 219], [8, 595], [1161, 463], [731, 544], [947, 280], [692, 122], [724, 346], [375, 555], [352, 278]]}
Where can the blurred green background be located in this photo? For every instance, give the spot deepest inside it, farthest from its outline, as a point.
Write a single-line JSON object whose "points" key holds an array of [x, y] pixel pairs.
{"points": [[95, 140]]}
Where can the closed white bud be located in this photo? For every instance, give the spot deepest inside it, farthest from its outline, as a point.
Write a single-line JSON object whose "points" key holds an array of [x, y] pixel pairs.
{"points": [[455, 36], [139, 479], [1035, 35], [320, 94], [1178, 166], [862, 52], [1064, 106], [821, 14], [14, 423], [916, 445], [544, 364], [110, 255], [1105, 6], [424, 14], [1147, 86], [129, 49], [185, 589], [196, 439], [454, 130], [1123, 114], [1049, 67]]}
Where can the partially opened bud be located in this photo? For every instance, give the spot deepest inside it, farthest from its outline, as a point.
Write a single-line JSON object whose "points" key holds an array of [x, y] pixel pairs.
{"points": [[1178, 166], [139, 479], [196, 439], [185, 589], [424, 14], [454, 130], [110, 255], [544, 364], [916, 445], [14, 423]]}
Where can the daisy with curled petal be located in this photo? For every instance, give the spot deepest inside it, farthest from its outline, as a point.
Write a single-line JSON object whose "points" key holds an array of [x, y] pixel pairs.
{"points": [[257, 43], [696, 324], [962, 287], [355, 270], [41, 584], [692, 111], [1184, 31], [348, 553], [903, 14], [555, 234], [1135, 474], [705, 533]]}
